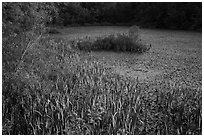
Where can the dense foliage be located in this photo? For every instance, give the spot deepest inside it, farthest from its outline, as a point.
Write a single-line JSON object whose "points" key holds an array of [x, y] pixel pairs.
{"points": [[130, 42], [176, 15], [171, 15], [22, 25]]}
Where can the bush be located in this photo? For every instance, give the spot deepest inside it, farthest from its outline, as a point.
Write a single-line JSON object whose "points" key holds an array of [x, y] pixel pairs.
{"points": [[119, 42]]}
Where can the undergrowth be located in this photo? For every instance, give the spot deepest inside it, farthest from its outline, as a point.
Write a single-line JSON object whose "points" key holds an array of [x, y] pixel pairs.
{"points": [[54, 92]]}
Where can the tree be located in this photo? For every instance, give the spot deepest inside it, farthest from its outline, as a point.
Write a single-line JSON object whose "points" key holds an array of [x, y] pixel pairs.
{"points": [[22, 23]]}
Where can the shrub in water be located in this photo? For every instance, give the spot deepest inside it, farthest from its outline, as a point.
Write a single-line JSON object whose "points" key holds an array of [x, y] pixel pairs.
{"points": [[121, 42]]}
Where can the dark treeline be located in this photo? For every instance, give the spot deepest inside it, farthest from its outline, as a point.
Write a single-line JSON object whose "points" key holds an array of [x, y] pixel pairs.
{"points": [[169, 15]]}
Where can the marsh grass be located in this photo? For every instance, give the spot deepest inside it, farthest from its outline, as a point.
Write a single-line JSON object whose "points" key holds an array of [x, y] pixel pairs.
{"points": [[54, 92]]}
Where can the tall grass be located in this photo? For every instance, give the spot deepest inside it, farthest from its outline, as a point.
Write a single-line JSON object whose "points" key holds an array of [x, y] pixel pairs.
{"points": [[54, 92]]}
